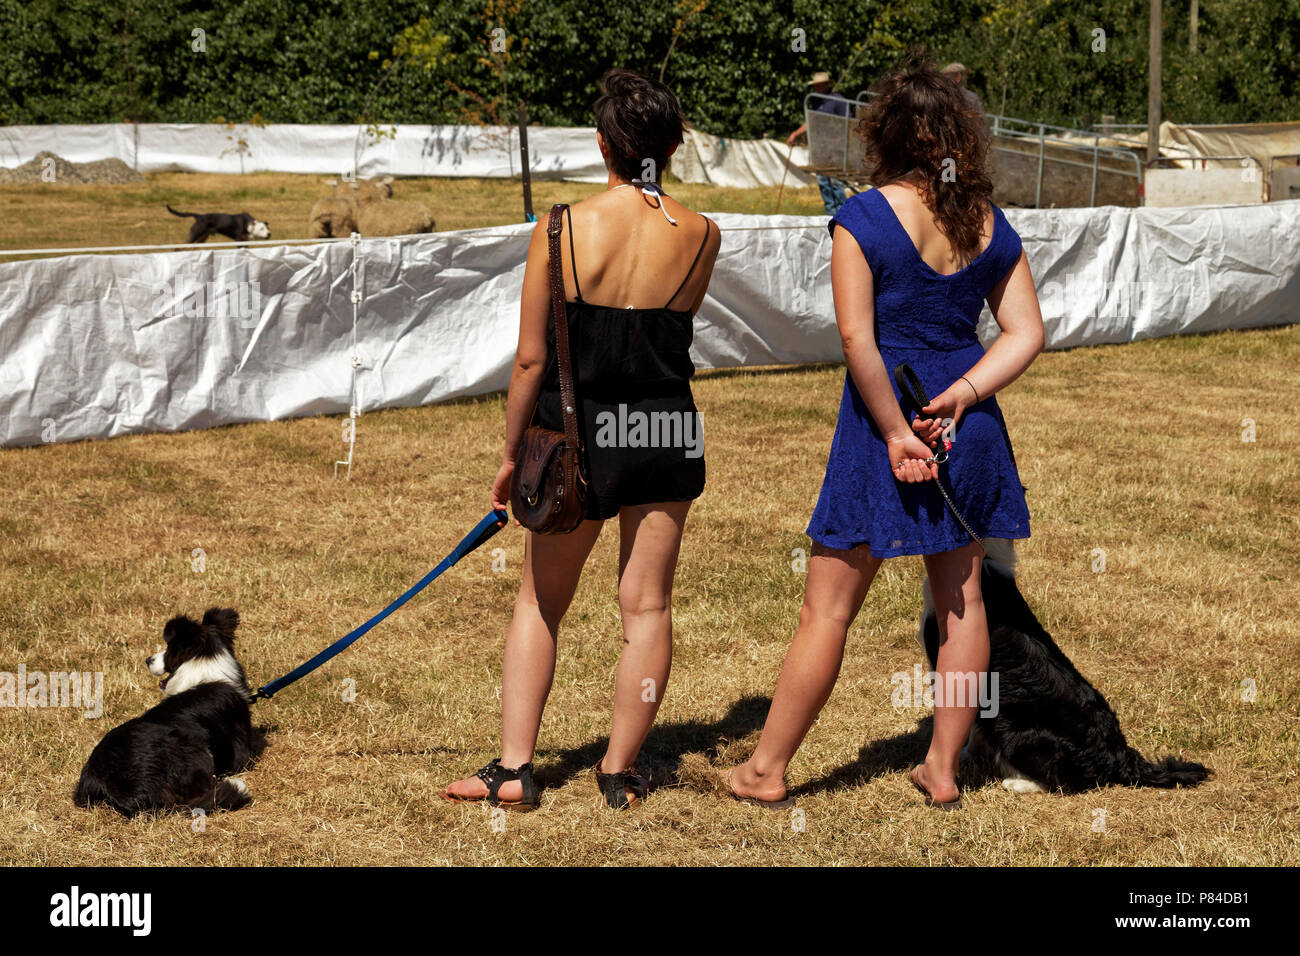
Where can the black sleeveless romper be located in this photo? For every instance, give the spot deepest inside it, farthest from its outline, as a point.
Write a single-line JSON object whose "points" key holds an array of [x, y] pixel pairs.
{"points": [[637, 419]]}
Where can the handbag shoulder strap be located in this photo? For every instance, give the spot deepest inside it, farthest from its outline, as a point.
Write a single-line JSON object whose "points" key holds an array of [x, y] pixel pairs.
{"points": [[568, 400]]}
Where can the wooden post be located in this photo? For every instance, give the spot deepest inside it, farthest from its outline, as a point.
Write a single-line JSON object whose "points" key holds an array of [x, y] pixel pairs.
{"points": [[1191, 31], [1154, 65], [527, 171]]}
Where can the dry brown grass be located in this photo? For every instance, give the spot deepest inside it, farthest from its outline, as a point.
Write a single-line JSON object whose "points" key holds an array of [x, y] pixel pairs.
{"points": [[56, 215], [1135, 449]]}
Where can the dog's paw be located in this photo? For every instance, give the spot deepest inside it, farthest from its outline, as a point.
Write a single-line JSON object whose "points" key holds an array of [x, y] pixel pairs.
{"points": [[1021, 785], [238, 784]]}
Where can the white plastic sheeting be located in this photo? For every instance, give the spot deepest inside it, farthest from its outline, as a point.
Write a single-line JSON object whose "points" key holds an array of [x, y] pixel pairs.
{"points": [[738, 163], [95, 346], [1115, 274], [568, 153]]}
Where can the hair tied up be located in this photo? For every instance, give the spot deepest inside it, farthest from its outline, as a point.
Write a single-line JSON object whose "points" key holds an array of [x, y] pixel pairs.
{"points": [[640, 119]]}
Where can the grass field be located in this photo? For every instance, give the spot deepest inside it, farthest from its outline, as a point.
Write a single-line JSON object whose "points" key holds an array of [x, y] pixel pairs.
{"points": [[1136, 450], [54, 215], [1133, 449]]}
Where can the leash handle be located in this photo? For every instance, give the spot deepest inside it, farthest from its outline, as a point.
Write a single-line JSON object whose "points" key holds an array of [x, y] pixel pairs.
{"points": [[913, 398], [485, 529], [911, 389]]}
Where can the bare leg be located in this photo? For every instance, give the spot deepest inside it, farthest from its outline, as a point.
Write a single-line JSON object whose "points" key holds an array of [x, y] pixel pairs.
{"points": [[552, 566], [963, 650], [650, 540], [837, 585]]}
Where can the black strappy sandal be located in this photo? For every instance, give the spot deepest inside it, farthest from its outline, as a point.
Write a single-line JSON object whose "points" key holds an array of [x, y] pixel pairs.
{"points": [[622, 790], [493, 776]]}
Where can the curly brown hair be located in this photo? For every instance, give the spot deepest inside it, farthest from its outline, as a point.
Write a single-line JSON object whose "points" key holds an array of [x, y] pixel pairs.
{"points": [[922, 122]]}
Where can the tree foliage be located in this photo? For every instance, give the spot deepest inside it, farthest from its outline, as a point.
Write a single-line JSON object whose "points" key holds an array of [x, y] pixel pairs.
{"points": [[735, 64]]}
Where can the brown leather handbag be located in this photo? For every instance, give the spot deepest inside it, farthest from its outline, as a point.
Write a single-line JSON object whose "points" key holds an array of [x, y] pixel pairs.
{"points": [[548, 493]]}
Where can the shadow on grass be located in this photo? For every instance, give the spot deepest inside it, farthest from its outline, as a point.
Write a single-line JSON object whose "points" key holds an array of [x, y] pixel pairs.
{"points": [[899, 753], [721, 743], [668, 743], [258, 743], [663, 750]]}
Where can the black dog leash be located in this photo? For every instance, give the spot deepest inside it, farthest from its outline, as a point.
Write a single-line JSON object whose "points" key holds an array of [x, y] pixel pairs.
{"points": [[914, 399], [485, 529]]}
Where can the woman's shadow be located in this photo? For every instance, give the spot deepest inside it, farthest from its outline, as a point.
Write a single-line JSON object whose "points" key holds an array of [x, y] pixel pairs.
{"points": [[668, 743]]}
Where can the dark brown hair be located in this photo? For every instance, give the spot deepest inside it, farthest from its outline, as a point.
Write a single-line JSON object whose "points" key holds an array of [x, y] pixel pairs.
{"points": [[640, 119], [923, 121]]}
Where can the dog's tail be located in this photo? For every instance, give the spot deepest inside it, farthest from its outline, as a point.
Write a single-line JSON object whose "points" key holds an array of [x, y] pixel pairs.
{"points": [[92, 792], [1168, 772], [192, 215]]}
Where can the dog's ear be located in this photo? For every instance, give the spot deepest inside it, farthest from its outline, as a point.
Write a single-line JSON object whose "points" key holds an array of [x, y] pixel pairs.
{"points": [[224, 619], [178, 626]]}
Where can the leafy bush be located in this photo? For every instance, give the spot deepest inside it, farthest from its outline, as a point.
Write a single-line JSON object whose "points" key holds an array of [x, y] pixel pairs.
{"points": [[737, 65]]}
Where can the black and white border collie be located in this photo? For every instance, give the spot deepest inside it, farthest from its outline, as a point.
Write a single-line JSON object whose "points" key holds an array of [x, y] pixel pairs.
{"points": [[1053, 731], [175, 755], [241, 227]]}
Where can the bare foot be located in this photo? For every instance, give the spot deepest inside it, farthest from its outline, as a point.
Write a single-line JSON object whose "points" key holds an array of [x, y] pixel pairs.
{"points": [[473, 788], [940, 790], [743, 782]]}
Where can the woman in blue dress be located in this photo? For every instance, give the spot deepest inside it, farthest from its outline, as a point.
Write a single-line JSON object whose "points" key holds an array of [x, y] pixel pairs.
{"points": [[912, 263]]}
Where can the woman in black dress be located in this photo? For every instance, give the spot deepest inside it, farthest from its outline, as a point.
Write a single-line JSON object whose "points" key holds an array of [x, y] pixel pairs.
{"points": [[637, 268]]}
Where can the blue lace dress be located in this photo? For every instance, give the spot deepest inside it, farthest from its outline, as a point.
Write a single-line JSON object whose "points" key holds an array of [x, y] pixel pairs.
{"points": [[927, 320]]}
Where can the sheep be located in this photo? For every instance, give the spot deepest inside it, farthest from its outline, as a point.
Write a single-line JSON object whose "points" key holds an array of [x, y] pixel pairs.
{"points": [[387, 217], [332, 216], [365, 190], [336, 215]]}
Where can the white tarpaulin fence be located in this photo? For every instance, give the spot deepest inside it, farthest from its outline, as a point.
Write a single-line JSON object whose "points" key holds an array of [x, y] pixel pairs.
{"points": [[94, 346], [568, 153]]}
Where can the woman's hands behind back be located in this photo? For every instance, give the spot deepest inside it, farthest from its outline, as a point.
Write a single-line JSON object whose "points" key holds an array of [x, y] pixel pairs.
{"points": [[946, 409]]}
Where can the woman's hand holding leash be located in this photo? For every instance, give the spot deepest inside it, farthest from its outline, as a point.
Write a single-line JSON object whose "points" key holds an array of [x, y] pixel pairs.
{"points": [[944, 412], [501, 487], [910, 459]]}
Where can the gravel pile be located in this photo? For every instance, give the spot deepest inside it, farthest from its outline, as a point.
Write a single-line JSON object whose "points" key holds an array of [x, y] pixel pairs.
{"points": [[110, 171]]}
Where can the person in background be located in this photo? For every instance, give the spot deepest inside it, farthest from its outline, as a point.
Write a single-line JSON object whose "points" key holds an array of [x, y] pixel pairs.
{"points": [[834, 192], [957, 73]]}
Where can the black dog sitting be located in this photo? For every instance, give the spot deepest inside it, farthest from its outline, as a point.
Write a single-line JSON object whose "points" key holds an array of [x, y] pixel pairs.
{"points": [[1053, 730], [175, 755], [241, 227]]}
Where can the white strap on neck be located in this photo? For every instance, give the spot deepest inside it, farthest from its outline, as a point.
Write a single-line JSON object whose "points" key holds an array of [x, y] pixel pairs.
{"points": [[651, 189]]}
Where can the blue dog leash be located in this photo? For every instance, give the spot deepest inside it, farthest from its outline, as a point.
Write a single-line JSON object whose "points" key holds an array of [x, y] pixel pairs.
{"points": [[485, 529], [915, 399]]}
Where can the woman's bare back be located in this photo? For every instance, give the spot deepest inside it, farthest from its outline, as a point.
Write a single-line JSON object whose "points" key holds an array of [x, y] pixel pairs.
{"points": [[629, 256]]}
